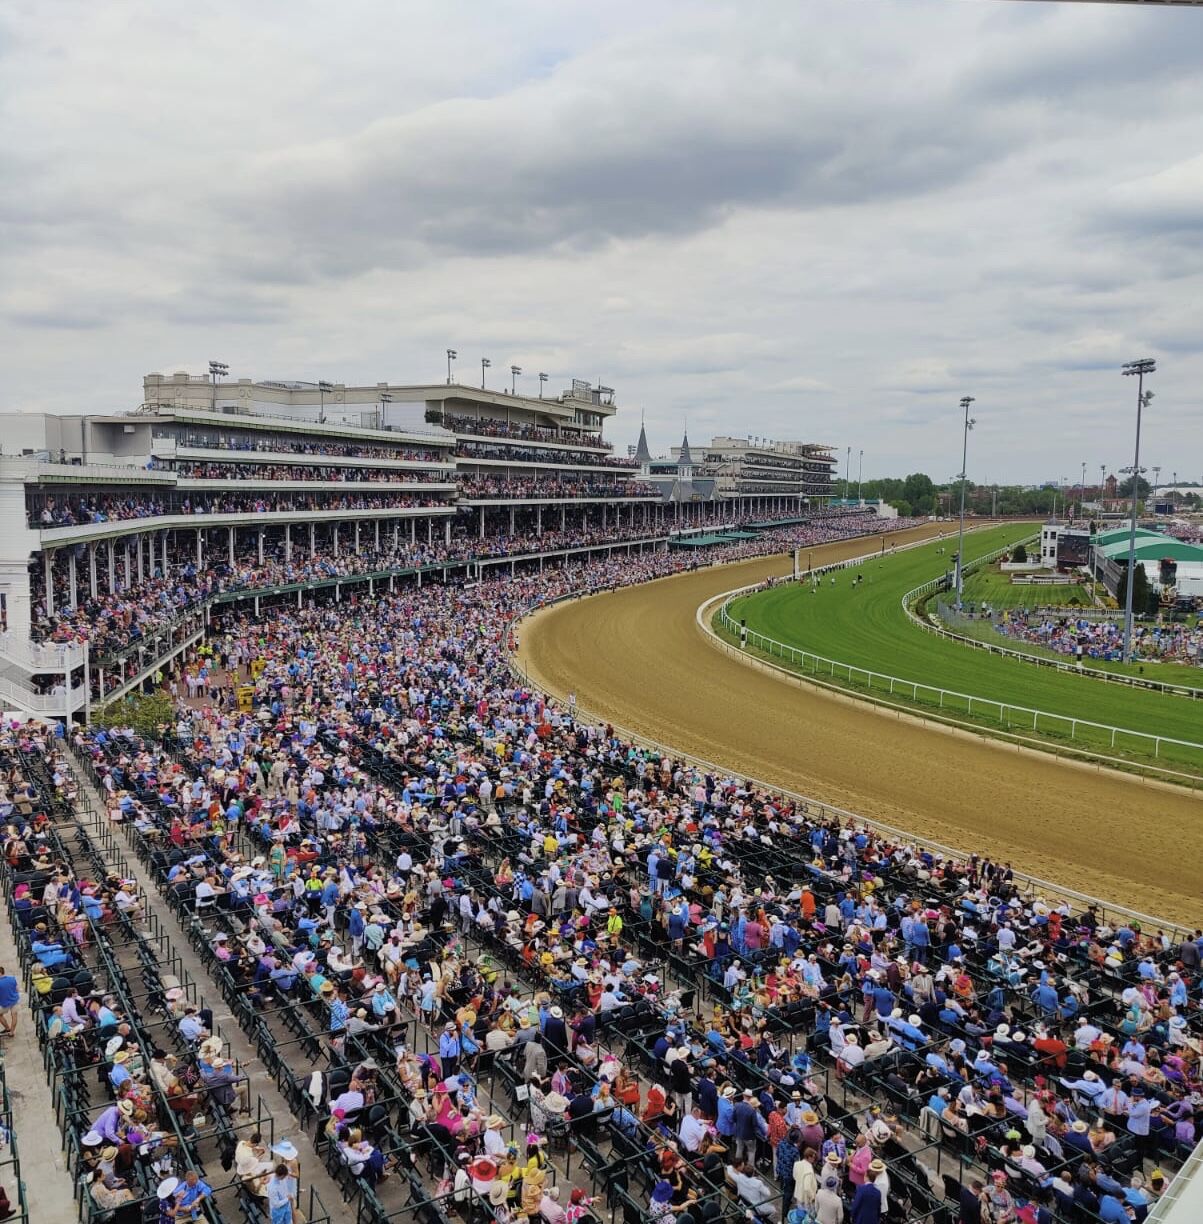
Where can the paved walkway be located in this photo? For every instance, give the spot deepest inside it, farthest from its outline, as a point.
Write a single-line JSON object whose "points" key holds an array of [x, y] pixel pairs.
{"points": [[48, 1185]]}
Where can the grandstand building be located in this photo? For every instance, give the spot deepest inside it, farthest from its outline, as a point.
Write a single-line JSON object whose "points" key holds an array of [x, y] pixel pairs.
{"points": [[213, 493], [752, 470]]}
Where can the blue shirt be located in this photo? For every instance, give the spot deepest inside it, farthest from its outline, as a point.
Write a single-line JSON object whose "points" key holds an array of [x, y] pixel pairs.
{"points": [[10, 996]]}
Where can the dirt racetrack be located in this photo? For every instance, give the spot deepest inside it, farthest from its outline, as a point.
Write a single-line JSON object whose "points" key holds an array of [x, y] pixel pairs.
{"points": [[637, 657]]}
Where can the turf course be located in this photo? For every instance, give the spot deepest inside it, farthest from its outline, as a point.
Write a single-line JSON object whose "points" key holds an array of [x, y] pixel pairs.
{"points": [[865, 626], [989, 585]]}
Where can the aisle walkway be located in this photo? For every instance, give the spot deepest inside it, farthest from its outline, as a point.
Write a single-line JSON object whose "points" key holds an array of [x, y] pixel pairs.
{"points": [[48, 1186]]}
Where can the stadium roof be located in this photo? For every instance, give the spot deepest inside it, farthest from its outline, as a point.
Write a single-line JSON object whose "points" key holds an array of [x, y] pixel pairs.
{"points": [[699, 541], [1103, 538], [1154, 549]]}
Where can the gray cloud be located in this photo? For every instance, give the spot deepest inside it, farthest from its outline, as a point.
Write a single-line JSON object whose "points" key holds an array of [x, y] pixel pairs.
{"points": [[828, 222]]}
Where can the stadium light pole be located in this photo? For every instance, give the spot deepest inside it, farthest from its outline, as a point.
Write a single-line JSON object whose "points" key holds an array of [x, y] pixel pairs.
{"points": [[484, 365], [542, 380], [847, 472], [451, 356], [1156, 482], [217, 369], [860, 473], [514, 372], [322, 388], [1082, 490], [966, 400], [1139, 368], [386, 397]]}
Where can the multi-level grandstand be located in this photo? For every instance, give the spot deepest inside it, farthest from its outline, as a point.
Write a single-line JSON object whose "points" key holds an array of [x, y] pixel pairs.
{"points": [[370, 921], [122, 532]]}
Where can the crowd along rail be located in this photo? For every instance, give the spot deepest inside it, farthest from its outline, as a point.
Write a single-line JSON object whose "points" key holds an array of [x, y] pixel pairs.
{"points": [[1007, 714], [1031, 885]]}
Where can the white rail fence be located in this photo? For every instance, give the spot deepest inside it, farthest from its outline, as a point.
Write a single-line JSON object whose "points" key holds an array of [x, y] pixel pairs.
{"points": [[1031, 886], [1007, 714], [1062, 665]]}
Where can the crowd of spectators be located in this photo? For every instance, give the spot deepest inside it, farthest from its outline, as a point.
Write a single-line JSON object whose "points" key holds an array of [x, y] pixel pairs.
{"points": [[467, 448], [71, 511], [512, 429], [306, 471], [1086, 638], [115, 621], [404, 830], [573, 485], [281, 444]]}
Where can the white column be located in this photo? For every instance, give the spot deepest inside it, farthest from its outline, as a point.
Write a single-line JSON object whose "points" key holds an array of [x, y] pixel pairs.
{"points": [[288, 543], [482, 522], [230, 532], [539, 521], [72, 580], [511, 520], [92, 568], [112, 567], [446, 531], [200, 551], [127, 566], [377, 535], [312, 543], [48, 577], [336, 539], [357, 537], [260, 545]]}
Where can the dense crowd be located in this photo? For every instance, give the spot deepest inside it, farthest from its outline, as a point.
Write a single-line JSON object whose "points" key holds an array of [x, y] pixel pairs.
{"points": [[1060, 1047], [404, 831], [288, 444], [114, 621], [467, 448], [307, 471], [513, 429], [485, 484], [1086, 639], [105, 508]]}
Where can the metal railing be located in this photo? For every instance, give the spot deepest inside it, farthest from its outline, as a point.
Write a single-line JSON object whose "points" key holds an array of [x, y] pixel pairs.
{"points": [[1006, 714], [1065, 664]]}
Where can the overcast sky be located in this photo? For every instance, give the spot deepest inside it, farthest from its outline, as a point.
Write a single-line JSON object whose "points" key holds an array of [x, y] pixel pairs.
{"points": [[817, 219]]}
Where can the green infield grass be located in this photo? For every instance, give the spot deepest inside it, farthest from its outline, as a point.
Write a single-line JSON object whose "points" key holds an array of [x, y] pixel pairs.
{"points": [[990, 585], [863, 625]]}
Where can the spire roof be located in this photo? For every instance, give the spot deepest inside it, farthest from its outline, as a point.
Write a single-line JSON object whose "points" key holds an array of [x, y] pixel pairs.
{"points": [[642, 453], [685, 459]]}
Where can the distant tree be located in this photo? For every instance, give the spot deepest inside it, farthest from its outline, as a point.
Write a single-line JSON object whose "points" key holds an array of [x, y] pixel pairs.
{"points": [[1019, 554], [1140, 590], [148, 714], [1143, 489], [903, 507], [919, 490]]}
